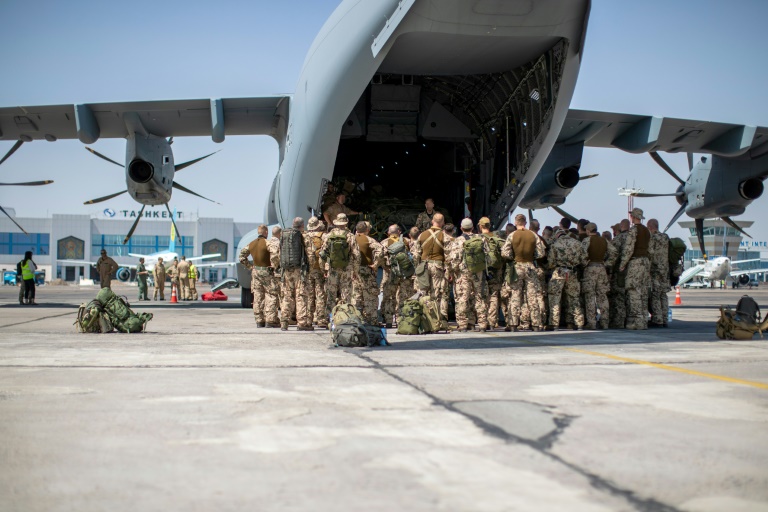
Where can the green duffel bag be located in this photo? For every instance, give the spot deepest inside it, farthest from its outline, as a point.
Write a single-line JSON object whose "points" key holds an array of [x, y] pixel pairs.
{"points": [[344, 313], [431, 321], [120, 314], [410, 318]]}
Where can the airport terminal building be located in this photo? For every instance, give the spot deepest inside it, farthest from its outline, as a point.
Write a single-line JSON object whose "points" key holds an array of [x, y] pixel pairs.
{"points": [[82, 237]]}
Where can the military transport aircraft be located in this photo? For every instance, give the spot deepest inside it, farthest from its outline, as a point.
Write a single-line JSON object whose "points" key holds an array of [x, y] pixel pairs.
{"points": [[476, 91]]}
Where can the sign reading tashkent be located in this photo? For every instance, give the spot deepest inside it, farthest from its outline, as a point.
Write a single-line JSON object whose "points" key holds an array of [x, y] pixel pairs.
{"points": [[753, 243], [148, 214]]}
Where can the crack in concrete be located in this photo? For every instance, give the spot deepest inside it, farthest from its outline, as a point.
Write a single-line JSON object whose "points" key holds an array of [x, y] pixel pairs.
{"points": [[542, 445], [37, 319]]}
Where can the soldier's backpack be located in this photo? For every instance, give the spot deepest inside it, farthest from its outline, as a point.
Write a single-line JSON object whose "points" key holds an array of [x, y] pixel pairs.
{"points": [[495, 245], [291, 249], [675, 254], [338, 251], [474, 254], [119, 312], [344, 313], [401, 266], [431, 321], [349, 329], [748, 309], [733, 325], [317, 244], [409, 320], [92, 319]]}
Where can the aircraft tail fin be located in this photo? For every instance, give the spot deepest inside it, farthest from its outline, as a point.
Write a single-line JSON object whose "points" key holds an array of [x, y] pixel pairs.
{"points": [[172, 243]]}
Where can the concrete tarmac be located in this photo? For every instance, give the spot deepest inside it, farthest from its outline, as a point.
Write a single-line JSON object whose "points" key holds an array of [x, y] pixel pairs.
{"points": [[206, 412]]}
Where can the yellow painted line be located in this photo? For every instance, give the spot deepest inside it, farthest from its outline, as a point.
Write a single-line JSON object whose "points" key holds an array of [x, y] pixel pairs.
{"points": [[754, 384]]}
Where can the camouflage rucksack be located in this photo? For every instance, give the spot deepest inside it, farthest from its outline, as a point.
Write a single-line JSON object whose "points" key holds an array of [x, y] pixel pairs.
{"points": [[291, 249], [494, 252], [119, 312], [431, 321], [409, 320], [92, 319], [338, 251], [735, 326], [401, 265], [344, 313], [474, 254]]}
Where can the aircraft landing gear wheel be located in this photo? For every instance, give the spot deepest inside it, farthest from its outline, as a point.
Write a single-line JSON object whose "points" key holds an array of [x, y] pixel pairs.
{"points": [[246, 298]]}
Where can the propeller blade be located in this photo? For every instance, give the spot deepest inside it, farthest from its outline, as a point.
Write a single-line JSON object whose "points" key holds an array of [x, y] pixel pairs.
{"points": [[565, 214], [700, 236], [643, 194], [175, 227], [187, 164], [27, 184], [690, 161], [185, 189], [9, 153], [735, 226], [13, 220], [104, 157], [100, 199], [663, 165], [135, 223], [678, 214], [588, 176]]}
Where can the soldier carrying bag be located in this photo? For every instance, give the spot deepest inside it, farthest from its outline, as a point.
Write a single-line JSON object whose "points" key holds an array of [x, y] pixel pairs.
{"points": [[338, 251], [292, 255], [474, 254], [401, 265]]}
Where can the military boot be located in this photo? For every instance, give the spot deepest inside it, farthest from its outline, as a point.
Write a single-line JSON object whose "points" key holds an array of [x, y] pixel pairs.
{"points": [[283, 326]]}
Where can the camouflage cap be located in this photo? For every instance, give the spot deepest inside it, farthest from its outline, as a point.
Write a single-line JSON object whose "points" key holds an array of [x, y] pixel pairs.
{"points": [[313, 223], [637, 213], [341, 220], [466, 224], [591, 226], [484, 222]]}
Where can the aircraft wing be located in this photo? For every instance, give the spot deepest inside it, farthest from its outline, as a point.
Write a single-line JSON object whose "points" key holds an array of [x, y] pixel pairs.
{"points": [[204, 256], [217, 264], [753, 271], [745, 261], [639, 134], [76, 263], [91, 121], [690, 274]]}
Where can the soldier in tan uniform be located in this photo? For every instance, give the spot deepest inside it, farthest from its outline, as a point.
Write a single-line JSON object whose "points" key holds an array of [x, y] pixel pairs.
{"points": [[183, 269], [394, 290], [660, 284], [365, 290], [173, 273], [340, 258], [523, 247], [158, 273], [424, 220], [470, 289], [635, 261], [617, 298], [262, 281], [338, 207], [541, 265], [594, 284], [293, 279], [566, 255], [494, 281], [430, 250], [106, 266], [273, 245], [316, 278]]}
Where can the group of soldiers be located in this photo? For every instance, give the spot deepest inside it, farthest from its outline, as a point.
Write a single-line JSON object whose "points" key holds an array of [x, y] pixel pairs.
{"points": [[182, 274], [565, 277]]}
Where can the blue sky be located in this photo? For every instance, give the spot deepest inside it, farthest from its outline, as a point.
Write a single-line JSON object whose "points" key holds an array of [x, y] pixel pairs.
{"points": [[691, 59]]}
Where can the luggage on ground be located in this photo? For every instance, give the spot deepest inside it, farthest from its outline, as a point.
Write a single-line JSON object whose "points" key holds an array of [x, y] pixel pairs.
{"points": [[748, 309], [733, 325], [349, 329], [409, 319], [431, 321]]}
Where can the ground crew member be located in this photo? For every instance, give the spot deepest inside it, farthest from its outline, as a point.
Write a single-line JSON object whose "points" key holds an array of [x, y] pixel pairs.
{"points": [[141, 279], [595, 285], [340, 259], [159, 277], [293, 278], [273, 245], [660, 285], [495, 278], [635, 261], [470, 288], [394, 290], [430, 250], [617, 299], [365, 290], [106, 266], [424, 220], [173, 273], [261, 266], [565, 255], [523, 247], [28, 268], [192, 281], [316, 276], [338, 207], [183, 269], [20, 280]]}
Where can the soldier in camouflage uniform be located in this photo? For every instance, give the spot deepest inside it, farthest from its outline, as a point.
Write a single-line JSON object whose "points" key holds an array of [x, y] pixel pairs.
{"points": [[618, 296], [158, 274], [470, 288], [595, 285], [660, 285], [294, 283], [430, 249], [338, 281], [506, 287], [394, 291], [541, 263], [424, 220], [316, 277], [494, 280], [273, 245], [173, 273], [523, 247], [262, 281], [365, 290], [635, 261], [565, 255]]}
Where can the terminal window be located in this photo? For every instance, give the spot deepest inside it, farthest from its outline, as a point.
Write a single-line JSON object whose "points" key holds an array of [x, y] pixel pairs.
{"points": [[140, 244], [19, 243]]}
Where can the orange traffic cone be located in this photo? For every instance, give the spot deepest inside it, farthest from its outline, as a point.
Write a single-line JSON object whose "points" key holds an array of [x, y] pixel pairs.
{"points": [[174, 300], [678, 302]]}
